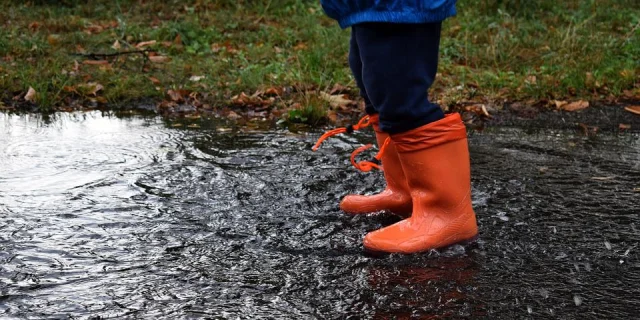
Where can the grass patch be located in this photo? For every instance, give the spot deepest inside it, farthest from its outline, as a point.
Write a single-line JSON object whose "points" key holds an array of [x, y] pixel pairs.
{"points": [[493, 50]]}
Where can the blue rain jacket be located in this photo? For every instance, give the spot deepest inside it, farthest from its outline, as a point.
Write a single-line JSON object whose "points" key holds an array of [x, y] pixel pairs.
{"points": [[350, 12]]}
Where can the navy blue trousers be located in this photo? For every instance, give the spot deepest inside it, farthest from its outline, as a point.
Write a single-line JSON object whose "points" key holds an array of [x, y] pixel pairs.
{"points": [[394, 65]]}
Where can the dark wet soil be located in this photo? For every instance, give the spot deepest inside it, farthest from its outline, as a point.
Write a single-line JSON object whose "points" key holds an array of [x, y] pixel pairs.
{"points": [[109, 217]]}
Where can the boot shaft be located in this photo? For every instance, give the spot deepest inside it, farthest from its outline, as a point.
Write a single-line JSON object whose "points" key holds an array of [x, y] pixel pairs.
{"points": [[440, 176], [435, 158]]}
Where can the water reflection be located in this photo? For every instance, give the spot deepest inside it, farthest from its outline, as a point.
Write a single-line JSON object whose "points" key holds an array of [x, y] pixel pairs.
{"points": [[427, 289]]}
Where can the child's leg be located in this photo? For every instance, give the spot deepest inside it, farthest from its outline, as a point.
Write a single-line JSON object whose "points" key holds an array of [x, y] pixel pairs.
{"points": [[399, 64], [395, 197], [356, 68]]}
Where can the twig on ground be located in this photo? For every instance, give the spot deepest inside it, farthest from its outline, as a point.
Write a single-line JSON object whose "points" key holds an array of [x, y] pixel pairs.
{"points": [[98, 56]]}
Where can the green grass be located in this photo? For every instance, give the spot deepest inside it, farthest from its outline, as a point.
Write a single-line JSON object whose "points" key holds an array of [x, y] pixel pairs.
{"points": [[544, 49], [493, 50]]}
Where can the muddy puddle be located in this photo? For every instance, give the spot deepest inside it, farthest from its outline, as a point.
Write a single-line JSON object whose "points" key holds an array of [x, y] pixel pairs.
{"points": [[104, 217]]}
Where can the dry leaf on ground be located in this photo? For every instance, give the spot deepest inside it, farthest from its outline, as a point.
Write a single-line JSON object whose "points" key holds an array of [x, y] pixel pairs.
{"points": [[146, 43], [338, 88], [300, 46], [273, 91], [178, 40], [337, 100], [485, 112], [575, 106], [255, 100], [176, 95], [233, 116], [53, 39], [31, 95], [559, 103], [633, 109]]}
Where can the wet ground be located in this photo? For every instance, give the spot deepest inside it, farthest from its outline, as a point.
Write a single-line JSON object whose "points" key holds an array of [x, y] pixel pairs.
{"points": [[108, 217]]}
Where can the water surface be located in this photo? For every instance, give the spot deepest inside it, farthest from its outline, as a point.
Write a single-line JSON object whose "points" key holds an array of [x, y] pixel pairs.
{"points": [[109, 217]]}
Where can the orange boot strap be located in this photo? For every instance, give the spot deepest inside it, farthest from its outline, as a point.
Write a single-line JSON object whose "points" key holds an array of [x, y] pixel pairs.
{"points": [[366, 166], [363, 123]]}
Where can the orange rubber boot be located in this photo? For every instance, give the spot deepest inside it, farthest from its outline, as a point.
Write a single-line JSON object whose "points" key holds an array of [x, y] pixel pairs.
{"points": [[395, 197], [437, 155]]}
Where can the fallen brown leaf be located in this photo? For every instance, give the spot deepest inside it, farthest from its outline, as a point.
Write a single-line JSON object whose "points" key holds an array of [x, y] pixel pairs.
{"points": [[53, 39], [485, 112], [531, 79], [178, 40], [338, 89], [337, 100], [575, 106], [300, 46], [233, 116], [116, 45], [102, 100], [255, 100], [633, 109], [624, 126], [273, 91], [175, 95], [31, 95], [167, 104], [240, 99], [146, 43], [34, 26], [215, 47], [559, 103], [93, 29], [155, 80]]}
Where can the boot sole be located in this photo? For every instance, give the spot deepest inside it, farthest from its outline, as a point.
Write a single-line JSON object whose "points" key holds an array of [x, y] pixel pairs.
{"points": [[465, 243]]}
